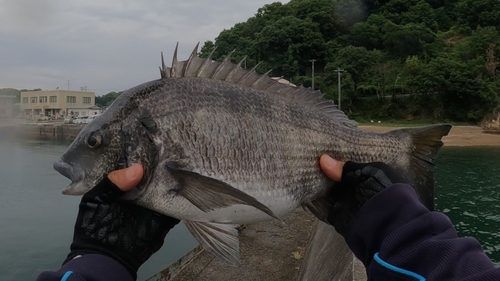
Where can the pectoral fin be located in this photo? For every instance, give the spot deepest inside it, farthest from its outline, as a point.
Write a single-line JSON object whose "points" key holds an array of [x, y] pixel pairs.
{"points": [[209, 194], [221, 240]]}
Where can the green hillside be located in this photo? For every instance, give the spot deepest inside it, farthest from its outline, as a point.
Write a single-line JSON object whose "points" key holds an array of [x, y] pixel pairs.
{"points": [[403, 59]]}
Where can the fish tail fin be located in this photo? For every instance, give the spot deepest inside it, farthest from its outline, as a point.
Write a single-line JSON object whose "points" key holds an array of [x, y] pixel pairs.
{"points": [[424, 147]]}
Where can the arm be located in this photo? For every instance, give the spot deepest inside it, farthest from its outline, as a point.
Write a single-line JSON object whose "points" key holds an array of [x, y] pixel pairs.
{"points": [[397, 238], [393, 234], [112, 238], [87, 268]]}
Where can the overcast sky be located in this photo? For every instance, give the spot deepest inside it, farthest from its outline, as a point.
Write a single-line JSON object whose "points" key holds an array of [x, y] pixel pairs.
{"points": [[106, 45]]}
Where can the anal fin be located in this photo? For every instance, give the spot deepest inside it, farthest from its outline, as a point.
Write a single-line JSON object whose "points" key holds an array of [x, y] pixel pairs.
{"points": [[331, 199], [319, 208], [220, 240], [209, 194]]}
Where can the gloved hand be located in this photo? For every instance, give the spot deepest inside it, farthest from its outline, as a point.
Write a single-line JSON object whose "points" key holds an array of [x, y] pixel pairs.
{"points": [[125, 232], [358, 182]]}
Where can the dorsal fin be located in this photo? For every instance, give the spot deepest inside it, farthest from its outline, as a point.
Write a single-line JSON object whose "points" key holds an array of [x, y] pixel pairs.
{"points": [[233, 73], [193, 62], [164, 72], [207, 61]]}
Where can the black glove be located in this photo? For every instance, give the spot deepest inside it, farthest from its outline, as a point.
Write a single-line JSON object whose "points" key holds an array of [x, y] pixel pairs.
{"points": [[125, 232], [359, 183]]}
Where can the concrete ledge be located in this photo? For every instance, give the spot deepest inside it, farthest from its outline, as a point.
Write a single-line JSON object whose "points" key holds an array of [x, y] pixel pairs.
{"points": [[48, 131], [328, 257], [299, 249]]}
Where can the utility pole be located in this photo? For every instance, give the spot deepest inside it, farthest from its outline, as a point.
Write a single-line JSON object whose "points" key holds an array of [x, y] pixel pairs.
{"points": [[338, 70], [68, 85], [312, 75]]}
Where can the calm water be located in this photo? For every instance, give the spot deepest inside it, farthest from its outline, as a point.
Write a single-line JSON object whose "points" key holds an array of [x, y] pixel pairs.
{"points": [[36, 221], [468, 191]]}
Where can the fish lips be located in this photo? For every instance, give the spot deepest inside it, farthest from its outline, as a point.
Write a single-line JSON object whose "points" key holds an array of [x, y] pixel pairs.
{"points": [[78, 185]]}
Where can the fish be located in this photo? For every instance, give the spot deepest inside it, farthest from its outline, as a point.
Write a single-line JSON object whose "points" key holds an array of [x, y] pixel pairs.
{"points": [[223, 146]]}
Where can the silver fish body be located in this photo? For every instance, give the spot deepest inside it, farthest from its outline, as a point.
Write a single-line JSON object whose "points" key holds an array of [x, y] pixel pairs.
{"points": [[223, 146]]}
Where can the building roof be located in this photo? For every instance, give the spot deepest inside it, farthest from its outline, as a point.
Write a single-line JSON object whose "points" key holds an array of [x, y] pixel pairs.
{"points": [[284, 81]]}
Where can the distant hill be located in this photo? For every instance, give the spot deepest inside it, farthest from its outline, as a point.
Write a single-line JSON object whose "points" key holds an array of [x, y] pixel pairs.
{"points": [[11, 91], [432, 58]]}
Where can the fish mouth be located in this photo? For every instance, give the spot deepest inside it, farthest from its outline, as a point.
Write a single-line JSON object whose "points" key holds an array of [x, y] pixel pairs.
{"points": [[78, 184]]}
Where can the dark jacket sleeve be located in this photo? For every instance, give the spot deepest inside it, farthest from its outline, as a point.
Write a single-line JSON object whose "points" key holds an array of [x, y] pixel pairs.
{"points": [[397, 238], [91, 267]]}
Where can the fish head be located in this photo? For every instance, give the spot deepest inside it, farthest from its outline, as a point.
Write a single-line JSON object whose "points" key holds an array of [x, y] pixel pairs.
{"points": [[95, 152], [106, 144]]}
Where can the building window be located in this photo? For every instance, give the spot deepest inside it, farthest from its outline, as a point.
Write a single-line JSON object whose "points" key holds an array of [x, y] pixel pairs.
{"points": [[53, 99], [84, 113], [70, 99], [87, 100], [43, 99], [33, 100], [25, 100]]}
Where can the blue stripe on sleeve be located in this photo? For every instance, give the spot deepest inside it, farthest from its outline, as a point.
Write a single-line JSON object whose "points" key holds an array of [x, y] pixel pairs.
{"points": [[66, 275], [397, 269]]}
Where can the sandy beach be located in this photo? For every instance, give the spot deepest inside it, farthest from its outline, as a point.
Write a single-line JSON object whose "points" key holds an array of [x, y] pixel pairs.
{"points": [[458, 136]]}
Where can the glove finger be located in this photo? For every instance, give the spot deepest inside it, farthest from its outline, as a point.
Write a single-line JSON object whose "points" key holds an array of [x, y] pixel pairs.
{"points": [[351, 174], [350, 167], [104, 191], [384, 173]]}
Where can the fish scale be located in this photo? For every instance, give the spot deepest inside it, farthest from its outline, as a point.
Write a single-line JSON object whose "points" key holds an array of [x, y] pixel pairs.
{"points": [[222, 146]]}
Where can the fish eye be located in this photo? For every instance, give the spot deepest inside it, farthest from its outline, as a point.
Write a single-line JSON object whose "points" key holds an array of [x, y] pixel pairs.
{"points": [[94, 140]]}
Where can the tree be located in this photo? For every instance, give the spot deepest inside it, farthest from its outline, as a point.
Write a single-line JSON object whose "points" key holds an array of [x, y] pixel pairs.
{"points": [[369, 34], [206, 49], [476, 13], [476, 45], [357, 61], [288, 44], [107, 99], [408, 40], [462, 94], [421, 13]]}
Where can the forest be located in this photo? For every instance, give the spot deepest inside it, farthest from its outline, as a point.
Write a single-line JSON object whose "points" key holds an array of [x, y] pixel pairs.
{"points": [[401, 59]]}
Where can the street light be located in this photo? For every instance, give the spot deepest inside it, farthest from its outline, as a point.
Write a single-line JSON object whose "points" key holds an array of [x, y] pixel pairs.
{"points": [[312, 66], [338, 70]]}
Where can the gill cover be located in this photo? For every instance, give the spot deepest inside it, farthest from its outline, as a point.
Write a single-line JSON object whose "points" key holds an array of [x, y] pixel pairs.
{"points": [[139, 147]]}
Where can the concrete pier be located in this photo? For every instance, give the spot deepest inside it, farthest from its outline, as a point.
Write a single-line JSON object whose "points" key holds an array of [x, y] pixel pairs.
{"points": [[57, 131], [299, 249]]}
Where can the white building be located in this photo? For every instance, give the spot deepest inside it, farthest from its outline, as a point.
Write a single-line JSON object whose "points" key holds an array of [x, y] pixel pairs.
{"points": [[58, 103]]}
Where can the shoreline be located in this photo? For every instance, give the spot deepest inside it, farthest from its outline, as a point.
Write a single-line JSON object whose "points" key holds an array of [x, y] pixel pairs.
{"points": [[458, 136]]}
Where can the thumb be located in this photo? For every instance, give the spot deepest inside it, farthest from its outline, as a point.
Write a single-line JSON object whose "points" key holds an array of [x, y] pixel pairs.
{"points": [[128, 178], [331, 167]]}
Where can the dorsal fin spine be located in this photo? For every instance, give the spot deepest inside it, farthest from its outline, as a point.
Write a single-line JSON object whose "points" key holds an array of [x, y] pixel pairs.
{"points": [[163, 68], [174, 61], [235, 69], [254, 84], [193, 55], [223, 64], [207, 61], [252, 71]]}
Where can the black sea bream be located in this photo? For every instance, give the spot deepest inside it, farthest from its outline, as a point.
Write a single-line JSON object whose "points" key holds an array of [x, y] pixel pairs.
{"points": [[223, 146]]}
